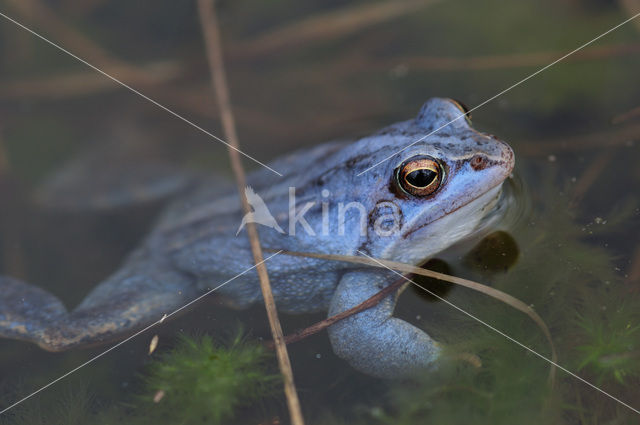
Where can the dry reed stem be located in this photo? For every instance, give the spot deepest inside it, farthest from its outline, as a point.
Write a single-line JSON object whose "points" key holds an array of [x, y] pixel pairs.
{"points": [[631, 8], [492, 62], [323, 324], [81, 84], [208, 21], [327, 26], [633, 113], [74, 40], [615, 136], [356, 61]]}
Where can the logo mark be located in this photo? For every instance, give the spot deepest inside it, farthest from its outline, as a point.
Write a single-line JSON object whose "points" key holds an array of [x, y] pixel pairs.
{"points": [[260, 213]]}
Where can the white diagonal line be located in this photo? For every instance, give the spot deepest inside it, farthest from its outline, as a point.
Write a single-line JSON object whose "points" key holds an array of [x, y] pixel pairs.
{"points": [[157, 322], [175, 114], [505, 335], [503, 91]]}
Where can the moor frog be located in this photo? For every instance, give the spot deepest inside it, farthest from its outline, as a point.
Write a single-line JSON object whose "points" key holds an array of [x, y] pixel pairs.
{"points": [[374, 196]]}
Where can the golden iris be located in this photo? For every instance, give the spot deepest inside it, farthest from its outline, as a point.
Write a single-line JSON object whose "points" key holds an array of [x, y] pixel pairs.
{"points": [[420, 176]]}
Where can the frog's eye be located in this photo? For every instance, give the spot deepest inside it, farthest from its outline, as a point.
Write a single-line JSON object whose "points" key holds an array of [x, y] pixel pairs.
{"points": [[463, 108], [419, 176]]}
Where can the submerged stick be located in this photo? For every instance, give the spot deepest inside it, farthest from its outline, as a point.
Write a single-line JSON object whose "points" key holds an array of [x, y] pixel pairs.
{"points": [[208, 21], [73, 39], [328, 26], [633, 113], [615, 136]]}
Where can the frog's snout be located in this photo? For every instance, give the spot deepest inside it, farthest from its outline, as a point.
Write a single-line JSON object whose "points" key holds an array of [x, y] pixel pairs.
{"points": [[508, 158], [498, 157]]}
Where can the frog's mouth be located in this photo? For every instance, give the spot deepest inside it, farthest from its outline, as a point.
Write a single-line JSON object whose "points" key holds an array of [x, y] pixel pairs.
{"points": [[487, 203], [476, 216], [510, 208]]}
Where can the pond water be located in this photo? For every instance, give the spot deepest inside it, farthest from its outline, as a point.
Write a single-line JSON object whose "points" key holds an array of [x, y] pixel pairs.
{"points": [[301, 73]]}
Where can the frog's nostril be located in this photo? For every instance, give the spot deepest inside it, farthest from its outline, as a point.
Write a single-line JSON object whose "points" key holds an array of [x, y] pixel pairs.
{"points": [[479, 162]]}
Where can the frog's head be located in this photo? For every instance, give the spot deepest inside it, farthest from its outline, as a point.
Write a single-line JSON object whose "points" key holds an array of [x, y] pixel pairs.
{"points": [[435, 192]]}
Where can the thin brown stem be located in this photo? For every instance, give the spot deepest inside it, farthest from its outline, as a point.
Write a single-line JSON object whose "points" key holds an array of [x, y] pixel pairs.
{"points": [[328, 26], [633, 113], [86, 83], [323, 324], [209, 23], [615, 136], [50, 22]]}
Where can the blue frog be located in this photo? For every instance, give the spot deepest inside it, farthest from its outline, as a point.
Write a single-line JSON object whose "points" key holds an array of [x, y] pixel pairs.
{"points": [[395, 195]]}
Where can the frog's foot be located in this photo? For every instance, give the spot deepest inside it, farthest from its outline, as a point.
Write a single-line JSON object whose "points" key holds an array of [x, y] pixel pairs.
{"points": [[373, 341], [117, 307], [27, 311]]}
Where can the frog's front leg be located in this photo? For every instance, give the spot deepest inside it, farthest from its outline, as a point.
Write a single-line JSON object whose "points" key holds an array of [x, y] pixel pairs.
{"points": [[373, 341]]}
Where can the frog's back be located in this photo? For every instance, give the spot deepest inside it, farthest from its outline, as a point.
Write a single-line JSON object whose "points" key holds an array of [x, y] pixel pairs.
{"points": [[196, 245], [199, 234]]}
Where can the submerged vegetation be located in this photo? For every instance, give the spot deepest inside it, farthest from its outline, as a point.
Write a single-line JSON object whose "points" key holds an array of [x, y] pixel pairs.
{"points": [[196, 382], [201, 382], [339, 83], [595, 321], [571, 282]]}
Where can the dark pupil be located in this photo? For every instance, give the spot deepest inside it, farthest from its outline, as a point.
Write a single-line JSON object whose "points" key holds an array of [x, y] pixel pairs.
{"points": [[421, 177]]}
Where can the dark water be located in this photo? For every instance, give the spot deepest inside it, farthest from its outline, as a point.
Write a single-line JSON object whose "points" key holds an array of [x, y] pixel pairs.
{"points": [[575, 129]]}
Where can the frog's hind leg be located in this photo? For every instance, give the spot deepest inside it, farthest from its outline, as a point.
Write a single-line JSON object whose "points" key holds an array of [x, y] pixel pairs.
{"points": [[127, 301], [26, 311], [373, 341]]}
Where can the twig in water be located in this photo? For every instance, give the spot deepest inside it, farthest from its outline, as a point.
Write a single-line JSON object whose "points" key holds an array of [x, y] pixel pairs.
{"points": [[633, 113], [323, 324], [631, 7], [208, 21], [616, 136], [47, 19], [85, 83], [328, 26]]}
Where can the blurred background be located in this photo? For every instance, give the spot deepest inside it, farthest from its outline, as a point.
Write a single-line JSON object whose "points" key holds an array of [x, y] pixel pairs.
{"points": [[304, 72]]}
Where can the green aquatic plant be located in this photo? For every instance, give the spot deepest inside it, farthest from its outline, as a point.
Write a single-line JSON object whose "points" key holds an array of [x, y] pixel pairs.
{"points": [[504, 390], [573, 284], [71, 405], [197, 382], [200, 381], [612, 344]]}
